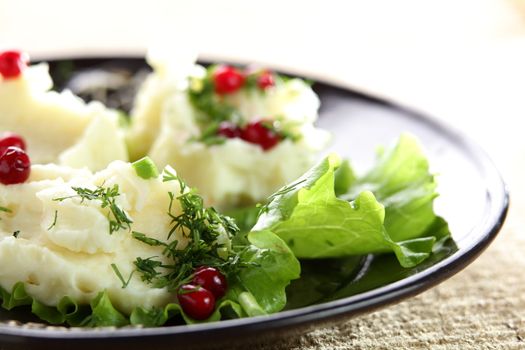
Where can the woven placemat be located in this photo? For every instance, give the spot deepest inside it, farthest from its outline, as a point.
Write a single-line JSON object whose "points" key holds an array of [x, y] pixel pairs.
{"points": [[482, 307]]}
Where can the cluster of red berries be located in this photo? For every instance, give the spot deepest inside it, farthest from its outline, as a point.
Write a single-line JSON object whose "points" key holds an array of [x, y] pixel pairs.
{"points": [[256, 132], [12, 63], [14, 161], [197, 298], [228, 79], [15, 165]]}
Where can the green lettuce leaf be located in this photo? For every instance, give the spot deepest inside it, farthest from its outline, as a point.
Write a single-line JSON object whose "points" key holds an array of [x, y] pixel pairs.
{"points": [[104, 313], [402, 182], [380, 213], [99, 313], [344, 178], [156, 317], [245, 218], [271, 267]]}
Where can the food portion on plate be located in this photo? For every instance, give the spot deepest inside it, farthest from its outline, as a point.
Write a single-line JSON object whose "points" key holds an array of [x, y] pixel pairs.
{"points": [[134, 239], [90, 239], [251, 128], [58, 127]]}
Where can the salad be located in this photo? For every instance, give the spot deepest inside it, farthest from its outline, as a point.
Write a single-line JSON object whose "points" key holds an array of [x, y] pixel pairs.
{"points": [[208, 202]]}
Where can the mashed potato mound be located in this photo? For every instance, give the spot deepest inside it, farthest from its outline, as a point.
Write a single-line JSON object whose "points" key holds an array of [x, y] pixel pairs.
{"points": [[64, 247], [235, 172], [59, 127]]}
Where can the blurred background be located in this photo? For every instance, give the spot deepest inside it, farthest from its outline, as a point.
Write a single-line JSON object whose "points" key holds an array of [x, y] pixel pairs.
{"points": [[460, 60]]}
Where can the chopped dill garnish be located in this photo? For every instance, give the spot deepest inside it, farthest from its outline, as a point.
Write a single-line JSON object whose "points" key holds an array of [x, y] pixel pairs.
{"points": [[16, 233], [145, 239], [209, 135], [148, 269], [214, 108], [211, 106], [201, 227], [54, 221], [119, 275], [118, 218], [288, 188]]}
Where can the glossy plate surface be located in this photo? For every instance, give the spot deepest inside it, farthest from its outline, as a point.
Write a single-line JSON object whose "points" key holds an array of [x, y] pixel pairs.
{"points": [[473, 200]]}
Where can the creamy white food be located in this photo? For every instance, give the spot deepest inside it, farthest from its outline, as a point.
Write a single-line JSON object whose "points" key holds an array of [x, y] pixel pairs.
{"points": [[64, 247], [235, 172], [59, 127], [169, 79], [72, 255]]}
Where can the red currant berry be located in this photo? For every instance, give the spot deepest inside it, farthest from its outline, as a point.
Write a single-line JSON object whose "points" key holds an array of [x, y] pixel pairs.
{"points": [[211, 279], [8, 139], [257, 133], [15, 166], [229, 130], [197, 302], [12, 63], [265, 80], [227, 80]]}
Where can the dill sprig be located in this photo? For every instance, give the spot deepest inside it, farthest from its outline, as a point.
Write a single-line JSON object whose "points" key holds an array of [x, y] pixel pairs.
{"points": [[54, 221], [120, 277], [212, 106], [118, 218], [201, 227], [284, 190]]}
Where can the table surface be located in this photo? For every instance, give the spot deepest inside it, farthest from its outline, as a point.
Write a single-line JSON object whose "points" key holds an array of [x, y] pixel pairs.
{"points": [[459, 60]]}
